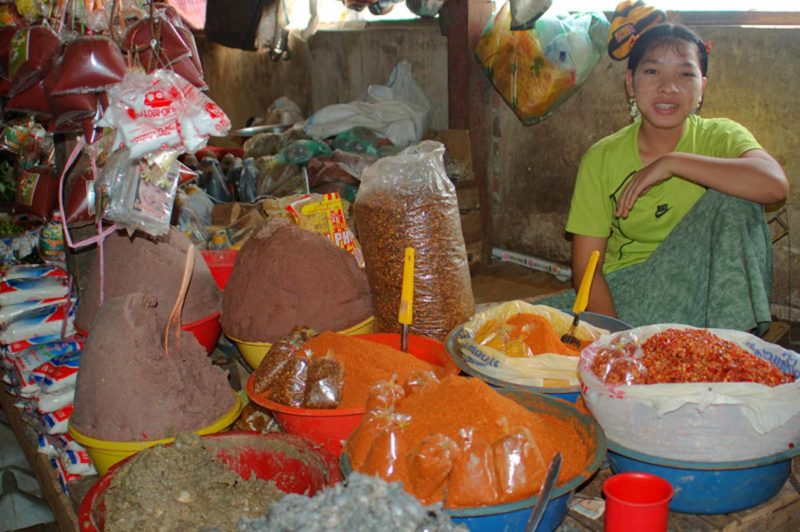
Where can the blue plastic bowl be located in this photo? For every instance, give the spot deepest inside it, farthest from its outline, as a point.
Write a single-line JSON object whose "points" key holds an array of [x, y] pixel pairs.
{"points": [[570, 393], [710, 487], [514, 516]]}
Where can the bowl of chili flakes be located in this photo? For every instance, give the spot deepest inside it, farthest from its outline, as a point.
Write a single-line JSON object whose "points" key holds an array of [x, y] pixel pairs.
{"points": [[702, 395]]}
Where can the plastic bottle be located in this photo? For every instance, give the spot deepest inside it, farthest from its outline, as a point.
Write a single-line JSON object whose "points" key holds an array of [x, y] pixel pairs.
{"points": [[219, 240], [52, 247]]}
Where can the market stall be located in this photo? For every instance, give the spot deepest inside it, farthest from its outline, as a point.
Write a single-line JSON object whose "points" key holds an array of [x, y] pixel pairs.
{"points": [[275, 326]]}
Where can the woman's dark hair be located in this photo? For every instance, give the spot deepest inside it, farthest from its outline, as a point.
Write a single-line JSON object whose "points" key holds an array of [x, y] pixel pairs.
{"points": [[666, 34]]}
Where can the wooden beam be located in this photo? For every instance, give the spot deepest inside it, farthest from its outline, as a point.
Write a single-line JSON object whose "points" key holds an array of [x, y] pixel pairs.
{"points": [[469, 95]]}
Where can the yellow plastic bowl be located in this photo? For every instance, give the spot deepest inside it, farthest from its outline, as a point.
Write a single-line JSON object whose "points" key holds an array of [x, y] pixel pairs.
{"points": [[105, 453], [254, 352]]}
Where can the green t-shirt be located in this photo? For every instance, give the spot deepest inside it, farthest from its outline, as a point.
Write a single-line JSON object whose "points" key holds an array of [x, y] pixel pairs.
{"points": [[609, 164]]}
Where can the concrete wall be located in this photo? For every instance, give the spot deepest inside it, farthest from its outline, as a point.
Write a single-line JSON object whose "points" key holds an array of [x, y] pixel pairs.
{"points": [[753, 78]]}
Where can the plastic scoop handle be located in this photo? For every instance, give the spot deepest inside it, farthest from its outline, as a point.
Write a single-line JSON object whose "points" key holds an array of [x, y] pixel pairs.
{"points": [[582, 300], [406, 297]]}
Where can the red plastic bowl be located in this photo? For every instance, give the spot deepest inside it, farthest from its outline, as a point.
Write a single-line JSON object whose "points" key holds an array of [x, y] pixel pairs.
{"points": [[295, 464], [330, 428], [206, 330], [220, 262]]}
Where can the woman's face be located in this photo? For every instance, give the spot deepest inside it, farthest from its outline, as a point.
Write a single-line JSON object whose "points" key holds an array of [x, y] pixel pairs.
{"points": [[667, 84]]}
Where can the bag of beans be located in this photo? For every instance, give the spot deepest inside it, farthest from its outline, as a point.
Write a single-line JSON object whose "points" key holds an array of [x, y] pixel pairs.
{"points": [[408, 201]]}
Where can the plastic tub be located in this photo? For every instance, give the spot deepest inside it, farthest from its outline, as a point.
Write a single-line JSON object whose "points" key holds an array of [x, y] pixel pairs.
{"points": [[330, 428], [570, 393], [513, 517], [710, 487], [206, 330], [254, 352], [636, 501], [220, 263], [106, 453], [293, 463]]}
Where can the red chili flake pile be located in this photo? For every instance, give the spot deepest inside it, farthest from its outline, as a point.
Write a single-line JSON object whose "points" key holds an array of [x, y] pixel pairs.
{"points": [[689, 355]]}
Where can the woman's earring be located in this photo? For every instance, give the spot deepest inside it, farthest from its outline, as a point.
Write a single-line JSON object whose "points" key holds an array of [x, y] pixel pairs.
{"points": [[633, 110], [699, 105]]}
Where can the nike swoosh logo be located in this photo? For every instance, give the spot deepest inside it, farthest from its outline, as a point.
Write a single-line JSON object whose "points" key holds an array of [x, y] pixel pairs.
{"points": [[662, 209]]}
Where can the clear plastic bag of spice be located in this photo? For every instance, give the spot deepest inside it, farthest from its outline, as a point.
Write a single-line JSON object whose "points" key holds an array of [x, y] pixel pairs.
{"points": [[519, 465], [429, 466], [324, 383], [278, 355], [407, 201], [472, 480]]}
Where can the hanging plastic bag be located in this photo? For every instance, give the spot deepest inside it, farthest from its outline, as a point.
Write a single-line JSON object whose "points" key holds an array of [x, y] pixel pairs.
{"points": [[147, 195], [408, 201], [537, 70]]}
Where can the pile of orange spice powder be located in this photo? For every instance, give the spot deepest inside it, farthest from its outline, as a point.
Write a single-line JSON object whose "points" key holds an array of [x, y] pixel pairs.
{"points": [[532, 331], [365, 363], [453, 473]]}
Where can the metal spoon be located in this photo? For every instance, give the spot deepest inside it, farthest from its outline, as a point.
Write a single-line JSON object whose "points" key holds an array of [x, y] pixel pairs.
{"points": [[544, 495]]}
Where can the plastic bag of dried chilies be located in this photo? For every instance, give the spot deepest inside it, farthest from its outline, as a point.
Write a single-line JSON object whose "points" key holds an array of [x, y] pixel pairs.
{"points": [[408, 201]]}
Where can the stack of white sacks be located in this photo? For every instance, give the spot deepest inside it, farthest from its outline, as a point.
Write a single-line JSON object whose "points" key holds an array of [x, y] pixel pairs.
{"points": [[40, 356]]}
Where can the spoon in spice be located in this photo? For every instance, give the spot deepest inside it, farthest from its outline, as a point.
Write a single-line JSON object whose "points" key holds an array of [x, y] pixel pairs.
{"points": [[406, 298], [581, 300], [544, 494]]}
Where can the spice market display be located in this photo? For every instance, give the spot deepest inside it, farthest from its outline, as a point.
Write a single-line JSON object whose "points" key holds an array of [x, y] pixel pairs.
{"points": [[200, 327]]}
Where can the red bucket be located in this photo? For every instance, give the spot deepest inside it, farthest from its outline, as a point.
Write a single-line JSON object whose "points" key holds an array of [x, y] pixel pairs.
{"points": [[206, 330], [295, 464], [330, 428], [637, 502]]}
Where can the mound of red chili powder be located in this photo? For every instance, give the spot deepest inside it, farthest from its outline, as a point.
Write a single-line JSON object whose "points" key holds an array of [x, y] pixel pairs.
{"points": [[689, 355]]}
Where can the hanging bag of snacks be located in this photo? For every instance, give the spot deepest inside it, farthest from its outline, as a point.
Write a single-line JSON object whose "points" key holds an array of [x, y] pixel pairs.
{"points": [[708, 395], [408, 201]]}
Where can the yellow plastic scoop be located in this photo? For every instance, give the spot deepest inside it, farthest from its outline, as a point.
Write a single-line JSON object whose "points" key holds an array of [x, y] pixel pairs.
{"points": [[406, 298], [582, 299]]}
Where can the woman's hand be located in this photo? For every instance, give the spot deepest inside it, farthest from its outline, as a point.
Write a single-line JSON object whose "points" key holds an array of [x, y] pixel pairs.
{"points": [[649, 176]]}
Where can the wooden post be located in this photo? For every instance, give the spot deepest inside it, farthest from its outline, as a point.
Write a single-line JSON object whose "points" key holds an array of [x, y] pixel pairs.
{"points": [[469, 95]]}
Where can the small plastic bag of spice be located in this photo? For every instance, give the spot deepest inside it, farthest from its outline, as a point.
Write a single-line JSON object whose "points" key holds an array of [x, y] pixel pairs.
{"points": [[324, 383], [358, 444], [418, 380], [384, 453], [279, 354], [290, 385], [472, 479], [429, 465], [384, 394], [518, 465]]}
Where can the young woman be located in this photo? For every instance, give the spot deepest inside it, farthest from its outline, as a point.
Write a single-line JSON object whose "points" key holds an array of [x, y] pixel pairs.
{"points": [[674, 202]]}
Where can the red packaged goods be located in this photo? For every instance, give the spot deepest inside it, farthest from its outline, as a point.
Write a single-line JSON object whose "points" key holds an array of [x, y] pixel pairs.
{"points": [[32, 100], [6, 34], [31, 53], [88, 64], [37, 191]]}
